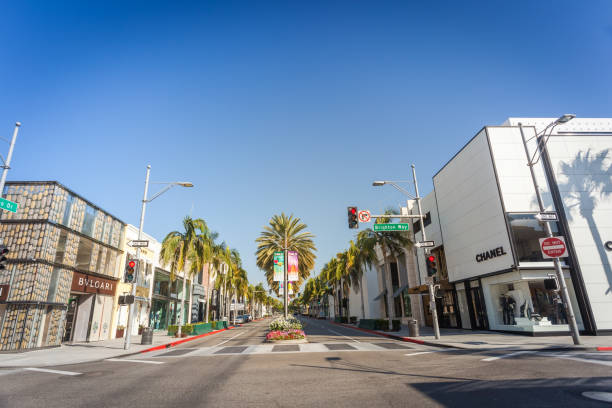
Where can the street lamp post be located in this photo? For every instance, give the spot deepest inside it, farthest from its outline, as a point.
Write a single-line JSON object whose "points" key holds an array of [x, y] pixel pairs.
{"points": [[128, 335], [541, 140], [7, 163], [417, 198]]}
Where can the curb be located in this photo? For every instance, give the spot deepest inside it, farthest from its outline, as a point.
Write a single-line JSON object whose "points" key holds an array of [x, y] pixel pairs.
{"points": [[176, 343], [406, 339], [434, 344]]}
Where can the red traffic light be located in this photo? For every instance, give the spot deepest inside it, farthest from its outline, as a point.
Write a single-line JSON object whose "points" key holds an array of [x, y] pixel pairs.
{"points": [[353, 210], [431, 258], [132, 264]]}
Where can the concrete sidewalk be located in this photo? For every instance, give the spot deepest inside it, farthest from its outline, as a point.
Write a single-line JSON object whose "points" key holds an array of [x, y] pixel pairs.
{"points": [[486, 340], [79, 352]]}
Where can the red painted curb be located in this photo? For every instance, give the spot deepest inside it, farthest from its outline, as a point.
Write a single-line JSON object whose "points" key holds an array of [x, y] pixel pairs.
{"points": [[175, 343], [604, 348], [391, 336]]}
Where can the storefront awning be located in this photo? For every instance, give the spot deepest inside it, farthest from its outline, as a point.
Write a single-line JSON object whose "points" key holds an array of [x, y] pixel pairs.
{"points": [[400, 290], [383, 293]]}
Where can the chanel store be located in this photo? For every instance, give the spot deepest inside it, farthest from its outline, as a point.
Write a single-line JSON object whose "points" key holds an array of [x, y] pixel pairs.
{"points": [[489, 223]]}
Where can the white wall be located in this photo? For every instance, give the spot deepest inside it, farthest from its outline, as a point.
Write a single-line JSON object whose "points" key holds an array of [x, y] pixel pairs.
{"points": [[470, 212]]}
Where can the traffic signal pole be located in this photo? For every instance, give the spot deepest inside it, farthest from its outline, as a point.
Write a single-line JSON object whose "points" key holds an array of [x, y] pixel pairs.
{"points": [[7, 163], [432, 296], [126, 345]]}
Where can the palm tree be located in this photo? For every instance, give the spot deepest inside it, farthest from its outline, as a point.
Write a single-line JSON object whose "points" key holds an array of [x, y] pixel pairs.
{"points": [[178, 248], [365, 257], [285, 233], [390, 243]]}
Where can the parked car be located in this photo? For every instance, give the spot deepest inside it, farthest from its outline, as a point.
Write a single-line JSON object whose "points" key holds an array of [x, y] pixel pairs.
{"points": [[240, 319], [247, 317]]}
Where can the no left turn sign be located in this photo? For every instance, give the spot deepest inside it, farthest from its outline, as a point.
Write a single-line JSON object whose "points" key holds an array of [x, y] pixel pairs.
{"points": [[553, 247], [364, 216]]}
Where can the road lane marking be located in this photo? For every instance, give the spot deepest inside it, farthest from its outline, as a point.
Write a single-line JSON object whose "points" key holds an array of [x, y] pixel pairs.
{"points": [[231, 338], [340, 334], [583, 360], [422, 352], [507, 355], [7, 372], [46, 370], [134, 361]]}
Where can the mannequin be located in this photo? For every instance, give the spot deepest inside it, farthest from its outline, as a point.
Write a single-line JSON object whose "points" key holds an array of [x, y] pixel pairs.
{"points": [[524, 304]]}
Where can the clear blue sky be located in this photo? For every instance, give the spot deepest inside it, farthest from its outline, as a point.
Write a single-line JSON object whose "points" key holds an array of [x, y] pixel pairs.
{"points": [[281, 106]]}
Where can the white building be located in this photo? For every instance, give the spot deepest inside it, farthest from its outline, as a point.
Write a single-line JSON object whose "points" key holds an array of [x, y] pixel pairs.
{"points": [[486, 206]]}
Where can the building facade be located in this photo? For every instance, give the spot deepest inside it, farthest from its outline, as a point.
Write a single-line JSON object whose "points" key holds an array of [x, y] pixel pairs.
{"points": [[63, 267], [487, 207]]}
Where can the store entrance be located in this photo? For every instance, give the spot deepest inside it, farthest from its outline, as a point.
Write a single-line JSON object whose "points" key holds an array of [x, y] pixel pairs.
{"points": [[70, 317], [476, 306]]}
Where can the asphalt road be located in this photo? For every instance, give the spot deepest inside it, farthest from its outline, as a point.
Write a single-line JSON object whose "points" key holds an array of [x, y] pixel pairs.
{"points": [[338, 367]]}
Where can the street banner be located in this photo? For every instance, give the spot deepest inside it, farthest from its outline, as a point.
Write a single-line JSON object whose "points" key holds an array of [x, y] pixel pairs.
{"points": [[292, 266], [279, 265]]}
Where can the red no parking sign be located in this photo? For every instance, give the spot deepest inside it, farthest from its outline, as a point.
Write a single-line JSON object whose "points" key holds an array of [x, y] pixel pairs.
{"points": [[553, 247]]}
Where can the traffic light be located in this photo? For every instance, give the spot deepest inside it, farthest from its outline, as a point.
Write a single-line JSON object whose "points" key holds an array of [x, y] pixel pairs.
{"points": [[3, 253], [432, 268], [352, 217], [129, 270]]}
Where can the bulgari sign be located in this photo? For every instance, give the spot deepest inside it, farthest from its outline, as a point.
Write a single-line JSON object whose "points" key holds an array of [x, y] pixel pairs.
{"points": [[92, 284], [492, 253]]}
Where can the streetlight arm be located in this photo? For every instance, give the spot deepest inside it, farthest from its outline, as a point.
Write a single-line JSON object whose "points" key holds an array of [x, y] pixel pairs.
{"points": [[162, 191], [403, 190]]}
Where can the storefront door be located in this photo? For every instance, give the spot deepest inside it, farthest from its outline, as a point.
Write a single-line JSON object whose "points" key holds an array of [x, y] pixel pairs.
{"points": [[70, 317], [476, 306]]}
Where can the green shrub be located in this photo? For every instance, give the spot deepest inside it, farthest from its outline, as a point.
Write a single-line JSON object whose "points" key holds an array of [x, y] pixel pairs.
{"points": [[381, 324], [369, 324], [186, 329], [213, 325]]}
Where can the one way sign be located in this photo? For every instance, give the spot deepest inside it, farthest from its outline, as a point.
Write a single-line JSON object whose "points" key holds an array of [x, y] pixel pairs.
{"points": [[138, 243]]}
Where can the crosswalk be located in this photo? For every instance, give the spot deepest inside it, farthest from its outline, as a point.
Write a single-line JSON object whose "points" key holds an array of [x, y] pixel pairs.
{"points": [[283, 348]]}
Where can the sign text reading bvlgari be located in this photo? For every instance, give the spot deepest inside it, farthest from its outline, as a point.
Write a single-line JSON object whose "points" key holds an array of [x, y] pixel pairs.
{"points": [[92, 284], [492, 253]]}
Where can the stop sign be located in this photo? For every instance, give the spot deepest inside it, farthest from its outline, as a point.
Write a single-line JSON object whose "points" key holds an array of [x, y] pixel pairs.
{"points": [[553, 247]]}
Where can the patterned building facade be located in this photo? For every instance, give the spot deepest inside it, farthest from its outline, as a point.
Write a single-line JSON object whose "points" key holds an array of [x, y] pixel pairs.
{"points": [[62, 270]]}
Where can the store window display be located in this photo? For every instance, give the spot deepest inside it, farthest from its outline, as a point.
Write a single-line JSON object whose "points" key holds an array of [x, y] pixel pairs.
{"points": [[527, 304]]}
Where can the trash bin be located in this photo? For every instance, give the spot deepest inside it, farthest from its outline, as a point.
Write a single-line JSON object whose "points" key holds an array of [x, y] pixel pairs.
{"points": [[413, 328], [147, 336]]}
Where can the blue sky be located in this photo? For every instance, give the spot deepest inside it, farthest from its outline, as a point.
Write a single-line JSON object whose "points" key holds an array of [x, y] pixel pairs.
{"points": [[281, 106]]}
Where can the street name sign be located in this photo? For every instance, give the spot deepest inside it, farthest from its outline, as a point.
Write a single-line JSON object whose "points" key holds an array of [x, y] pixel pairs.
{"points": [[139, 243], [553, 247], [547, 216], [391, 227], [8, 205], [364, 216], [425, 244]]}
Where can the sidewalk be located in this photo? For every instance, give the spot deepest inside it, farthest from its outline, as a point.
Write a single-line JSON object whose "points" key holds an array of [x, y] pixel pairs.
{"points": [[486, 340], [80, 352]]}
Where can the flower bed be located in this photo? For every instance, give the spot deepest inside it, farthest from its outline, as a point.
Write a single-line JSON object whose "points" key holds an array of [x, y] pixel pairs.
{"points": [[291, 334], [282, 324]]}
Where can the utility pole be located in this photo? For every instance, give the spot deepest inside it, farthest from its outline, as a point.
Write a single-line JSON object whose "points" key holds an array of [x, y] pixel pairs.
{"points": [[285, 288], [126, 345], [7, 163], [432, 295], [560, 278]]}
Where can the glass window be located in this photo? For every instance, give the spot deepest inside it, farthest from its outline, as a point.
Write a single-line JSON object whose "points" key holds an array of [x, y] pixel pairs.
{"points": [[162, 284], [68, 210], [84, 254], [111, 260], [89, 221], [526, 232], [53, 284], [61, 247]]}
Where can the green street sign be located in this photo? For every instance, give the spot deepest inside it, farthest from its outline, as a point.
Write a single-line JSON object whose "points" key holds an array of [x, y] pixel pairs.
{"points": [[391, 227], [8, 205]]}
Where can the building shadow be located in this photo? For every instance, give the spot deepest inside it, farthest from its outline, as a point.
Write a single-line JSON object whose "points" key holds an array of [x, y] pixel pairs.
{"points": [[589, 180], [538, 392]]}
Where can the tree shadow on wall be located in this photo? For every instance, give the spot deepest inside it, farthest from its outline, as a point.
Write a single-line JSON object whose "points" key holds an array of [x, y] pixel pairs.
{"points": [[589, 180]]}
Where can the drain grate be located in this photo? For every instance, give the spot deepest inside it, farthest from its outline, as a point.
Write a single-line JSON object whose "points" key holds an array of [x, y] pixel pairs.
{"points": [[231, 350], [340, 346], [286, 347], [392, 346], [177, 352]]}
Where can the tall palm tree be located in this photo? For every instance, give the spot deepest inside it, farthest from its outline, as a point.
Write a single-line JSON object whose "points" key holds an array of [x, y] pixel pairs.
{"points": [[365, 257], [285, 233], [391, 244], [178, 248]]}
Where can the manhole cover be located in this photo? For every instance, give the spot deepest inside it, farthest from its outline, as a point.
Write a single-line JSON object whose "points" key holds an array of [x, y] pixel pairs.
{"points": [[286, 347], [340, 346], [392, 346], [231, 350], [177, 352]]}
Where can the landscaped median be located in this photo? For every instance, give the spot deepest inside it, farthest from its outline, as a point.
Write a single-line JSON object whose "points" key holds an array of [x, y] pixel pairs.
{"points": [[289, 330]]}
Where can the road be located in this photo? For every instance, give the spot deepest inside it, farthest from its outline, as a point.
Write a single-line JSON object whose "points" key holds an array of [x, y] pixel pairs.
{"points": [[339, 367]]}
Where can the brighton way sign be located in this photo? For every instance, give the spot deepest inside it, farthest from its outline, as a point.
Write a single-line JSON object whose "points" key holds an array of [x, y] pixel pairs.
{"points": [[392, 227]]}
